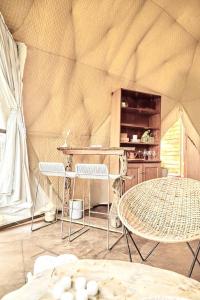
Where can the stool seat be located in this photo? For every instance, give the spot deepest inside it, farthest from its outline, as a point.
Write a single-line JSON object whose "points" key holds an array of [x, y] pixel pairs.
{"points": [[54, 169], [98, 177]]}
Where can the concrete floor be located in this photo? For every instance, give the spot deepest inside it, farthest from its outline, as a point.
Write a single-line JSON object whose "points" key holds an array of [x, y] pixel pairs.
{"points": [[19, 248]]}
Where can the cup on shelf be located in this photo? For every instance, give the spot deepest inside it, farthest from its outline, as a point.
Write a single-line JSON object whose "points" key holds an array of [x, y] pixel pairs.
{"points": [[134, 138], [151, 140], [124, 104], [153, 154], [146, 154]]}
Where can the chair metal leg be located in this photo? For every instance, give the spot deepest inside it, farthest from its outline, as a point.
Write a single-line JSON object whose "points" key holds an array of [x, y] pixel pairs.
{"points": [[129, 251], [139, 252], [193, 253], [117, 241], [194, 260]]}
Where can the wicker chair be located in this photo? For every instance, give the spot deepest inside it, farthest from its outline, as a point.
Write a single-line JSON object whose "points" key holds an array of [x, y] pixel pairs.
{"points": [[163, 210]]}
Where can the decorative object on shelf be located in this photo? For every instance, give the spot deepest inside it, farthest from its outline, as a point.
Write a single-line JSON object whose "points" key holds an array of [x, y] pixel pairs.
{"points": [[145, 154], [153, 154], [124, 138], [151, 138], [66, 135], [146, 136], [139, 154], [134, 138], [123, 135], [124, 104]]}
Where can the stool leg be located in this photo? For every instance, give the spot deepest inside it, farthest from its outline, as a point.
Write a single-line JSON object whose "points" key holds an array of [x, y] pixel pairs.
{"points": [[83, 208], [57, 201], [63, 203], [108, 214], [34, 203], [71, 208], [89, 201]]}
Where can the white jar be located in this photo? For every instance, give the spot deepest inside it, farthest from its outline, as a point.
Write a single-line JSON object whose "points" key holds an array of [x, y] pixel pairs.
{"points": [[76, 209], [50, 216]]}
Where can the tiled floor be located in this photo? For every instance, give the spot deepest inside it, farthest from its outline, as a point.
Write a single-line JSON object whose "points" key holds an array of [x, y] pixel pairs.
{"points": [[19, 247]]}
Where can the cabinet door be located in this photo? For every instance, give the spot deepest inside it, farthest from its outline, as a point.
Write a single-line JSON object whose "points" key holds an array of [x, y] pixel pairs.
{"points": [[135, 171], [150, 171]]}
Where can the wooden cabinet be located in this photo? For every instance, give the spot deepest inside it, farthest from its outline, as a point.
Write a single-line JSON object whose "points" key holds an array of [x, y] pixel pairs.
{"points": [[151, 171], [133, 115], [135, 172], [140, 172]]}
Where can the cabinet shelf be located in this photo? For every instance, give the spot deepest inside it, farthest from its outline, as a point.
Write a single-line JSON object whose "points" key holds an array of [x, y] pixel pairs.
{"points": [[135, 160], [139, 143], [138, 126], [145, 111]]}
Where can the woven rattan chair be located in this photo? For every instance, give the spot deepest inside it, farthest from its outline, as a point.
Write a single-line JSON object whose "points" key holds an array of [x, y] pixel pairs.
{"points": [[163, 210]]}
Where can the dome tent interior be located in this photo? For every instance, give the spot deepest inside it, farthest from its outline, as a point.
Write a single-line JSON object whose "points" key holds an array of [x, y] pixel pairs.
{"points": [[78, 52], [72, 67]]}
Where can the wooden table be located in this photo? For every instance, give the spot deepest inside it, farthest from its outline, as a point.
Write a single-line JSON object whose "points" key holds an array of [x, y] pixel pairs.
{"points": [[117, 281], [92, 151], [121, 153]]}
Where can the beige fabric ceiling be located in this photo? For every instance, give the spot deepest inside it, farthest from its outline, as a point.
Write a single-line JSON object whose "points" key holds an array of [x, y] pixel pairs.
{"points": [[80, 51]]}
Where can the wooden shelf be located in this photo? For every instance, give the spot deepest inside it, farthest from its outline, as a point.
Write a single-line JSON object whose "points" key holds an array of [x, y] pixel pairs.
{"points": [[145, 111], [140, 143], [138, 126], [143, 160], [141, 113]]}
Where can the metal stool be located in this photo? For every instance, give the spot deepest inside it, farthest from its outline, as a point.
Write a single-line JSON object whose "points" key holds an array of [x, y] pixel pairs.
{"points": [[51, 169], [92, 172]]}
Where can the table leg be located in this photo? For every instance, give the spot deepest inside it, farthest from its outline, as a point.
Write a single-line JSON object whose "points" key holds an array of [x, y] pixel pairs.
{"points": [[68, 183], [67, 191]]}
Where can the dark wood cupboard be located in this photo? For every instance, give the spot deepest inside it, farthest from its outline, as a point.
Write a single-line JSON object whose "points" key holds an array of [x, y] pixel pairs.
{"points": [[135, 125]]}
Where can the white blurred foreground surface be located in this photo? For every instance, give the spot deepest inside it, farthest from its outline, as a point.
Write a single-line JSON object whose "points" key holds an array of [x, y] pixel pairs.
{"points": [[115, 279]]}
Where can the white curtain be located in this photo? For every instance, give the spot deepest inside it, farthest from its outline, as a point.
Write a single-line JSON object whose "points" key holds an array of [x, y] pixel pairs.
{"points": [[14, 169]]}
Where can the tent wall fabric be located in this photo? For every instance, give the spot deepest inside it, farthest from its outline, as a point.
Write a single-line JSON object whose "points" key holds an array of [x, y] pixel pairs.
{"points": [[14, 175], [80, 51]]}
